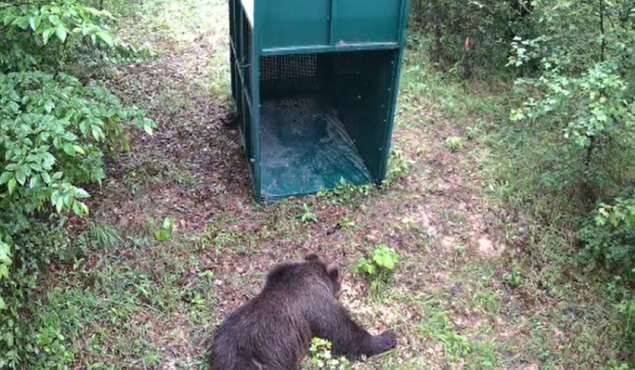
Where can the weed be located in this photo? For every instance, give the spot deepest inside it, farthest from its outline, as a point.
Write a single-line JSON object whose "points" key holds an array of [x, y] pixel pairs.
{"points": [[515, 277], [102, 236], [345, 193], [321, 357], [454, 143], [346, 223], [379, 268], [399, 166], [308, 215], [209, 275], [165, 232], [474, 131]]}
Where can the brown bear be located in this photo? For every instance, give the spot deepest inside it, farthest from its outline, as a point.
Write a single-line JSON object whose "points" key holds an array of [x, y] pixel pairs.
{"points": [[273, 330]]}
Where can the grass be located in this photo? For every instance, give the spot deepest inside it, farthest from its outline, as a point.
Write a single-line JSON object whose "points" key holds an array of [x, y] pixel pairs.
{"points": [[458, 299]]}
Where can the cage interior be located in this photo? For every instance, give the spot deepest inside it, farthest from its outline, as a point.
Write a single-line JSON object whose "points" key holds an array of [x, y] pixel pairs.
{"points": [[323, 118]]}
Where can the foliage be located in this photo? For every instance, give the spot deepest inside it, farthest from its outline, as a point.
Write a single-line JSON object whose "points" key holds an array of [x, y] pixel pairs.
{"points": [[626, 309], [379, 267], [399, 166], [514, 278], [48, 35], [165, 232], [34, 343], [55, 131], [321, 357], [584, 90], [50, 136], [454, 143], [577, 111], [471, 38], [5, 262], [345, 193], [609, 238], [308, 215]]}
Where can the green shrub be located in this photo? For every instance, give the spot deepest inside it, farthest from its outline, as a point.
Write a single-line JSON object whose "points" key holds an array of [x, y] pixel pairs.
{"points": [[52, 134], [609, 238], [49, 35], [579, 111], [55, 131]]}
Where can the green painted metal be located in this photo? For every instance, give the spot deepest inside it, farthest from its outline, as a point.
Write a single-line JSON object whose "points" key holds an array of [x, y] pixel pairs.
{"points": [[367, 21], [329, 48], [315, 85]]}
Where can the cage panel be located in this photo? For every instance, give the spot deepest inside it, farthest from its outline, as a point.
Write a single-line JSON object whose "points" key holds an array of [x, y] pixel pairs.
{"points": [[288, 23], [241, 55], [361, 89], [364, 21], [288, 74]]}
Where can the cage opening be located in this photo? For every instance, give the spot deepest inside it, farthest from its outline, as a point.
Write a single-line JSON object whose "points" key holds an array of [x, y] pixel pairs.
{"points": [[322, 119]]}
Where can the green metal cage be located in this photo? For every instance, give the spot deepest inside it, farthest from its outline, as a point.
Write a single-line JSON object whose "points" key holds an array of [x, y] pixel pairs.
{"points": [[315, 85]]}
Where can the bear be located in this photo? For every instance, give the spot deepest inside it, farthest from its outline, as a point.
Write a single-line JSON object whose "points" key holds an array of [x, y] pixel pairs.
{"points": [[273, 330]]}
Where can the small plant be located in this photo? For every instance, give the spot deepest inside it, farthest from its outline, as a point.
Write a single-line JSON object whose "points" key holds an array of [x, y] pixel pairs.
{"points": [[454, 143], [308, 215], [514, 278], [208, 275], [165, 233], [321, 357], [473, 131], [344, 192], [346, 223], [399, 166], [197, 301], [379, 268]]}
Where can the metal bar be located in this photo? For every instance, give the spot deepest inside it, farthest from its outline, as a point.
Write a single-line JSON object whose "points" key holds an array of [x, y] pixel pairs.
{"points": [[330, 49], [256, 43], [332, 23], [405, 5]]}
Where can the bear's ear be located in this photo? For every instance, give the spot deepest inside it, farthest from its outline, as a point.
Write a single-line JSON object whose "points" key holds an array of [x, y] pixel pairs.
{"points": [[333, 271], [334, 274], [312, 257]]}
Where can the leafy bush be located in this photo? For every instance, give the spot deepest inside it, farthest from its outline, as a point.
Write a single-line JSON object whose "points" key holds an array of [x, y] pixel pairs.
{"points": [[53, 136], [26, 340], [583, 94], [579, 110], [54, 133], [609, 238], [471, 38], [586, 99], [48, 35]]}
